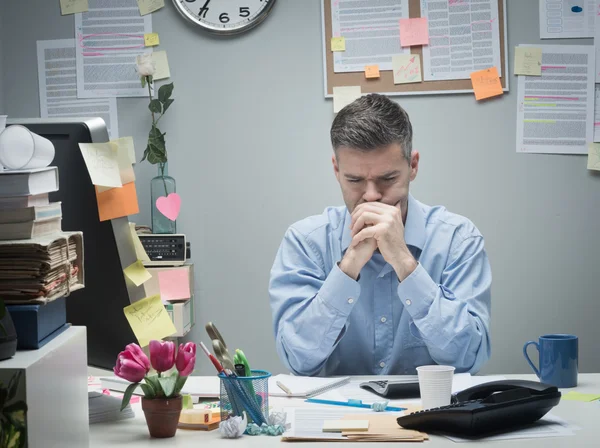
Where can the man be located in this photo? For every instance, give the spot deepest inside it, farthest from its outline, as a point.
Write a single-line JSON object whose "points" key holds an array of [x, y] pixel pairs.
{"points": [[385, 284]]}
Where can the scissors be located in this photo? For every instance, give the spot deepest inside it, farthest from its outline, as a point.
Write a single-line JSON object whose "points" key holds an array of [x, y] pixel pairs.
{"points": [[219, 347]]}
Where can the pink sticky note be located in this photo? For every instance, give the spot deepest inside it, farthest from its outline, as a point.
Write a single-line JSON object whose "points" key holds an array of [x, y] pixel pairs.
{"points": [[174, 284], [414, 32], [169, 205]]}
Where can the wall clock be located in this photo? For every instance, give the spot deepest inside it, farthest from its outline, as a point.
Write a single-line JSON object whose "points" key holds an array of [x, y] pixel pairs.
{"points": [[225, 16]]}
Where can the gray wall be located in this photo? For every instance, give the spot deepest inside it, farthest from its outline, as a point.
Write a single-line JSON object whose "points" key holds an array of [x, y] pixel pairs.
{"points": [[1, 59], [248, 144]]}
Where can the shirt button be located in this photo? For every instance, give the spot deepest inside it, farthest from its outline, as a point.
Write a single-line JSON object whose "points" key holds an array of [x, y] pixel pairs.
{"points": [[351, 300], [382, 364], [408, 302], [383, 319]]}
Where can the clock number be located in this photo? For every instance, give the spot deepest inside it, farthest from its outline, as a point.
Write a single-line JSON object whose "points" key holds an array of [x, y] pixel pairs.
{"points": [[203, 10], [244, 12], [224, 18]]}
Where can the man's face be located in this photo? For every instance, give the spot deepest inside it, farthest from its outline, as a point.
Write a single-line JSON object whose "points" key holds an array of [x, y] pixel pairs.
{"points": [[382, 175]]}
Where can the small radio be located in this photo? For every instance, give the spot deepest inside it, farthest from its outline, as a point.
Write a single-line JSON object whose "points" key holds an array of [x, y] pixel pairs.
{"points": [[165, 249]]}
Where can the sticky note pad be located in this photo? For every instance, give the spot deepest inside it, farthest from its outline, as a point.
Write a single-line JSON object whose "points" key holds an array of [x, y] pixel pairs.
{"points": [[126, 143], [161, 64], [148, 6], [342, 96], [486, 83], [406, 68], [117, 202], [578, 396], [149, 320], [101, 160], [593, 162], [137, 273], [174, 284], [73, 6], [528, 61], [372, 71], [140, 252], [414, 32], [338, 44], [126, 172], [151, 39], [345, 425]]}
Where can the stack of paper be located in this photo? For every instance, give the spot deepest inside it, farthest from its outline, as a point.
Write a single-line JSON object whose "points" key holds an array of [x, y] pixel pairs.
{"points": [[382, 428], [106, 408]]}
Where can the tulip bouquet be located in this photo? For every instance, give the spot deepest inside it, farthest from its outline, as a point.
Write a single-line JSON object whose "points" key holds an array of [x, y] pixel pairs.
{"points": [[133, 365]]}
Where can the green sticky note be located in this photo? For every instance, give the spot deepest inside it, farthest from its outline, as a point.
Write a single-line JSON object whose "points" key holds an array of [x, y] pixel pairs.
{"points": [[187, 402], [578, 396]]}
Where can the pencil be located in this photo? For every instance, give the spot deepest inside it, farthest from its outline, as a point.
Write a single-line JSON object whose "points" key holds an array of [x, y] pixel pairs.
{"points": [[283, 388]]}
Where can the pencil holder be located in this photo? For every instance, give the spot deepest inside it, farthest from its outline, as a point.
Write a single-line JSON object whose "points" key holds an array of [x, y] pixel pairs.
{"points": [[245, 393]]}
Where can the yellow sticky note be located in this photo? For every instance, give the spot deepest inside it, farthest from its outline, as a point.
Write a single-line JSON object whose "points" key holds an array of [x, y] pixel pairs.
{"points": [[578, 396], [126, 143], [73, 6], [140, 252], [148, 6], [528, 61], [161, 64], [372, 71], [137, 273], [125, 168], [149, 320], [593, 156], [151, 39], [102, 163], [486, 83], [338, 44], [406, 68], [342, 96]]}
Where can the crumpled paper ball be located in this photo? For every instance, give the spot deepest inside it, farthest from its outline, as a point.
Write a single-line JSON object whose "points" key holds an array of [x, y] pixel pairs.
{"points": [[233, 427], [379, 406], [277, 418], [270, 430]]}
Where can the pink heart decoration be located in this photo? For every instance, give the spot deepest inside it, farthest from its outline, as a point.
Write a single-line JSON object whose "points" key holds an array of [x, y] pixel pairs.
{"points": [[169, 205]]}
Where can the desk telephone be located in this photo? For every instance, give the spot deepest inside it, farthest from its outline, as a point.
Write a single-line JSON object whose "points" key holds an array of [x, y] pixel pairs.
{"points": [[488, 407]]}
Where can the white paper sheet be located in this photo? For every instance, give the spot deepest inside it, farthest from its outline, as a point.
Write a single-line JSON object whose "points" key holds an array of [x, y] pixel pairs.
{"points": [[58, 87], [464, 37], [597, 40], [371, 30], [555, 112], [561, 19], [109, 38], [597, 115]]}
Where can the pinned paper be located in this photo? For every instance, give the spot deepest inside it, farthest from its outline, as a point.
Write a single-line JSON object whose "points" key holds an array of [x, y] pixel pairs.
{"points": [[486, 83], [161, 64], [174, 284], [148, 6], [117, 202], [593, 162], [102, 163], [126, 172], [73, 6], [151, 39], [137, 273], [338, 44], [578, 396], [140, 252], [528, 61], [169, 205], [126, 143], [342, 96], [372, 71], [406, 68], [149, 320], [414, 32]]}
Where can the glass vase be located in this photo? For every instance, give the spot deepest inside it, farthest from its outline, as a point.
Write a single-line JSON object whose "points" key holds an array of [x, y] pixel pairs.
{"points": [[162, 185]]}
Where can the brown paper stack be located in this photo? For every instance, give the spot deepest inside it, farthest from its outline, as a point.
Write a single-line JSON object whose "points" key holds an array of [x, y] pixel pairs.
{"points": [[383, 427]]}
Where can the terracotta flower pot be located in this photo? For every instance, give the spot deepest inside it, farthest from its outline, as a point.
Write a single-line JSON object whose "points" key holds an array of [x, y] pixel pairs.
{"points": [[162, 415]]}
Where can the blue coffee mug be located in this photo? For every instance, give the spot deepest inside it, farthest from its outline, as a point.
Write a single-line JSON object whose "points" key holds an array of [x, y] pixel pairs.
{"points": [[558, 359]]}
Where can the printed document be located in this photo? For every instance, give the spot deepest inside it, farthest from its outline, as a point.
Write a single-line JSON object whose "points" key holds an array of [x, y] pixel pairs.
{"points": [[597, 115], [561, 19]]}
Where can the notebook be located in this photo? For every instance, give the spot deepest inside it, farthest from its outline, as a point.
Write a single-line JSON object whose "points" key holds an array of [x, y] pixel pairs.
{"points": [[304, 386]]}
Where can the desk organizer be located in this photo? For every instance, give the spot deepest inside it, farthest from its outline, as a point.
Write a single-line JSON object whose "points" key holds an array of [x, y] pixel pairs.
{"points": [[245, 393]]}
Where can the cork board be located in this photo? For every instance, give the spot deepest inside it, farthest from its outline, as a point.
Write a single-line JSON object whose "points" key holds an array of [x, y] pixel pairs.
{"points": [[385, 83]]}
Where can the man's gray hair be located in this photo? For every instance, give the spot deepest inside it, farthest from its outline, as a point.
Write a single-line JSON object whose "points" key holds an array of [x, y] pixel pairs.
{"points": [[372, 122]]}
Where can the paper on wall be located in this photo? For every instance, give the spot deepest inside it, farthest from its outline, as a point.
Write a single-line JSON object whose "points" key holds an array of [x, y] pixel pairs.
{"points": [[406, 68], [342, 96], [597, 114], [561, 19], [161, 64]]}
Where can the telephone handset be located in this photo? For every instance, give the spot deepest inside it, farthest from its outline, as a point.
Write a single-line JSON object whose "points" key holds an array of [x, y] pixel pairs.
{"points": [[488, 407]]}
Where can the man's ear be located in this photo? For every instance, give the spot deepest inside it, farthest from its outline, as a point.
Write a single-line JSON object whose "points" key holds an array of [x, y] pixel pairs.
{"points": [[414, 164]]}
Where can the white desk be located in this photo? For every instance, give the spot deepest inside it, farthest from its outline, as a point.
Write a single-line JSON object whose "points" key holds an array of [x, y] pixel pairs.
{"points": [[133, 433]]}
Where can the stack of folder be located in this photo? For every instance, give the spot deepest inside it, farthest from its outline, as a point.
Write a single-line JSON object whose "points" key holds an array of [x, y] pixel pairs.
{"points": [[383, 427]]}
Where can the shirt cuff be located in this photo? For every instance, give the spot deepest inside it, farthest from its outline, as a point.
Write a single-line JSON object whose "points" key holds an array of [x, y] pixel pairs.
{"points": [[340, 291], [417, 292]]}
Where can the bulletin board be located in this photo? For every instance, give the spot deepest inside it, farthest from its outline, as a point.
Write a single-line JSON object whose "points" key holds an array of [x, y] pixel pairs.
{"points": [[385, 83]]}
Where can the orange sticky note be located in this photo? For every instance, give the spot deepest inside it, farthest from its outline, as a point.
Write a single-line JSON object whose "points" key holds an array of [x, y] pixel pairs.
{"points": [[117, 202], [372, 71], [414, 32], [486, 83]]}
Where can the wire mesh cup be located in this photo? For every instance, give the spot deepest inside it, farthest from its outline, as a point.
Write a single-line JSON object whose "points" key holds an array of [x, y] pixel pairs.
{"points": [[245, 393]]}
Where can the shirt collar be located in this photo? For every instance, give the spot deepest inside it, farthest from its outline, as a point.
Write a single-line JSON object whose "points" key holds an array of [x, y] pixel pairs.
{"points": [[414, 229]]}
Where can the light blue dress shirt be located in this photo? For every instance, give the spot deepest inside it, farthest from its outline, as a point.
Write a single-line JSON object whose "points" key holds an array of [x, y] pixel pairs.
{"points": [[326, 323]]}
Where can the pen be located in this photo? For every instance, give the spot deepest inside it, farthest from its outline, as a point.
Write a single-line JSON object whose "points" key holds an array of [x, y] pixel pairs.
{"points": [[283, 388], [216, 363], [351, 403]]}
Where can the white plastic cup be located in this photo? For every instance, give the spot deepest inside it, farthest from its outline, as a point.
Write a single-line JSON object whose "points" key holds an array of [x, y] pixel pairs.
{"points": [[435, 385], [21, 149]]}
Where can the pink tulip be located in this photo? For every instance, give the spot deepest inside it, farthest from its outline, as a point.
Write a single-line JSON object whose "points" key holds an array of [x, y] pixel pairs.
{"points": [[186, 358], [162, 355], [132, 364]]}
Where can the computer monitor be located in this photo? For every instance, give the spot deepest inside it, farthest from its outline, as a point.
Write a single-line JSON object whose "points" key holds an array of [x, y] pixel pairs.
{"points": [[99, 306]]}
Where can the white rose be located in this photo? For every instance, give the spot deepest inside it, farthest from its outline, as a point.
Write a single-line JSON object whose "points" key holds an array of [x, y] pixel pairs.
{"points": [[145, 65]]}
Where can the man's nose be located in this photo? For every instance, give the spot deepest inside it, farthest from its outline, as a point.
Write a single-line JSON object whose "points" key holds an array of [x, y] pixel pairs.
{"points": [[371, 194]]}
